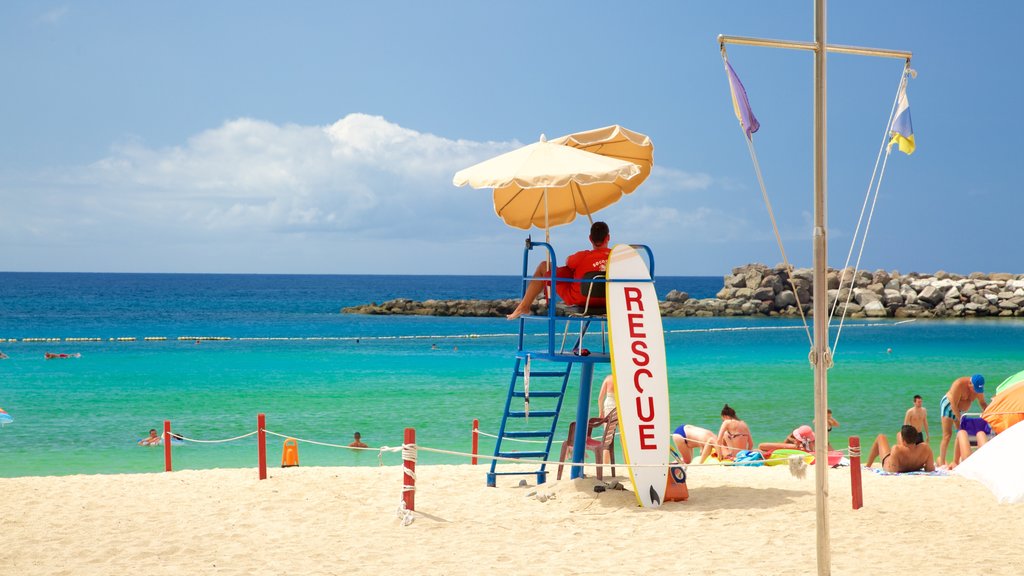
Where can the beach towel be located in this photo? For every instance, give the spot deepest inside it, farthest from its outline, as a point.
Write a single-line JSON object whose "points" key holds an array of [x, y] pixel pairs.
{"points": [[748, 458], [882, 472]]}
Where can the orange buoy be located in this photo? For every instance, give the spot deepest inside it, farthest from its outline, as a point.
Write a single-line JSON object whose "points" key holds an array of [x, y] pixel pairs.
{"points": [[290, 453]]}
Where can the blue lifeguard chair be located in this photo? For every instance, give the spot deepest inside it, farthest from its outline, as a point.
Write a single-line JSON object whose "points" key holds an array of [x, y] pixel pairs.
{"points": [[542, 369]]}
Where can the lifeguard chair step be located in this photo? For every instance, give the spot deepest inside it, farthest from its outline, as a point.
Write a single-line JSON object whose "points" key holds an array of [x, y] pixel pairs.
{"points": [[528, 434], [524, 454], [533, 413], [537, 394]]}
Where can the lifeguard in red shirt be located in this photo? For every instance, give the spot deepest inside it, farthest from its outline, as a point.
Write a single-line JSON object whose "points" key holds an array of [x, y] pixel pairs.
{"points": [[576, 267]]}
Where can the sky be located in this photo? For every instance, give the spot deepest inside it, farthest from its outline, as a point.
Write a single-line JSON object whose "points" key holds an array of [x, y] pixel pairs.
{"points": [[321, 137]]}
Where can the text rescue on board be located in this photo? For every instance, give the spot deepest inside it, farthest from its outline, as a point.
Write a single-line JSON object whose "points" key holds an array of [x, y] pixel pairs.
{"points": [[638, 345]]}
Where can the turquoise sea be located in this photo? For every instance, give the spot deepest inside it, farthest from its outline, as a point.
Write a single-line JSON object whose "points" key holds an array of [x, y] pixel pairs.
{"points": [[321, 375]]}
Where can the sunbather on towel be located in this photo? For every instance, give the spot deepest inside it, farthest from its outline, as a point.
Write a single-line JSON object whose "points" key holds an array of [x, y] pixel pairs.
{"points": [[909, 453], [800, 439]]}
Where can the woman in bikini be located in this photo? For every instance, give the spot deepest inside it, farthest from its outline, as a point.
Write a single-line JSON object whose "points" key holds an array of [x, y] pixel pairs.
{"points": [[688, 438], [733, 436]]}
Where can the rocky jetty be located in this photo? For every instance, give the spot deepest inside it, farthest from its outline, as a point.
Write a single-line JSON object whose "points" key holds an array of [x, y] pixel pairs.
{"points": [[758, 290]]}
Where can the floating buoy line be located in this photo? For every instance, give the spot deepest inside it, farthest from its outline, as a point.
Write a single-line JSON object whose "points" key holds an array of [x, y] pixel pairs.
{"points": [[406, 336]]}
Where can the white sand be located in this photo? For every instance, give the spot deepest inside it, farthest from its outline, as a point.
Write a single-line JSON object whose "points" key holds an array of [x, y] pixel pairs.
{"points": [[343, 521]]}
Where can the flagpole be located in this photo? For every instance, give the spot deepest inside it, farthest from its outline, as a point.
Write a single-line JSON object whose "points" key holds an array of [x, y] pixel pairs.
{"points": [[820, 354]]}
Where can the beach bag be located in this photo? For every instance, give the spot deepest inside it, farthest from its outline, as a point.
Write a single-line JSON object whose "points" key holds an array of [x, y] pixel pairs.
{"points": [[748, 458]]}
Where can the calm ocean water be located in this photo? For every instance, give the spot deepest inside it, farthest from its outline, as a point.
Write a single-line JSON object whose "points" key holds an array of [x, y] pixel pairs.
{"points": [[320, 375]]}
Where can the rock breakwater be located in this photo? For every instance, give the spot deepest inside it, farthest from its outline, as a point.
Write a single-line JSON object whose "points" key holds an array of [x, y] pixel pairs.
{"points": [[759, 290]]}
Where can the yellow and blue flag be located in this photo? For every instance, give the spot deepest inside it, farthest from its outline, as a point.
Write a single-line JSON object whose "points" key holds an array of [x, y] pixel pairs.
{"points": [[901, 130], [740, 104]]}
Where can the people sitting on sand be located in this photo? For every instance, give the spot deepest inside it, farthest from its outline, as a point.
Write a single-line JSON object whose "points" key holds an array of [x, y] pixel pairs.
{"points": [[962, 445], [962, 393], [733, 435], [357, 442], [802, 438], [917, 416], [908, 455], [576, 267], [152, 440], [688, 438]]}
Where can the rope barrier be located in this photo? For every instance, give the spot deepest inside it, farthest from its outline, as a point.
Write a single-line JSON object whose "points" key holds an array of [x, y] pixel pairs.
{"points": [[246, 435], [318, 443], [164, 339], [409, 451]]}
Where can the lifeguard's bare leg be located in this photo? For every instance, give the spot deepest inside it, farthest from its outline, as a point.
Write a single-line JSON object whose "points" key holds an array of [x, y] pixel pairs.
{"points": [[533, 289]]}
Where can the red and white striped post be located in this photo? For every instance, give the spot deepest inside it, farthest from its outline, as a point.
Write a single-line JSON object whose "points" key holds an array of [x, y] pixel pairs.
{"points": [[855, 484], [409, 470], [476, 438], [167, 445], [261, 443]]}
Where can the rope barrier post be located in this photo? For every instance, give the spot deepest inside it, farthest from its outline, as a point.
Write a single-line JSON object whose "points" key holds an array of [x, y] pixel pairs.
{"points": [[409, 470], [855, 485], [261, 443], [167, 445], [476, 438]]}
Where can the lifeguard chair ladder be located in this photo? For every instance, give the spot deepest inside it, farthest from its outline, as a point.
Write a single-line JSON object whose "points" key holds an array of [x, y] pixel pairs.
{"points": [[541, 362]]}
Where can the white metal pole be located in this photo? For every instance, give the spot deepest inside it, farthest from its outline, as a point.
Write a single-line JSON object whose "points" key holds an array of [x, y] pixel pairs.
{"points": [[820, 295]]}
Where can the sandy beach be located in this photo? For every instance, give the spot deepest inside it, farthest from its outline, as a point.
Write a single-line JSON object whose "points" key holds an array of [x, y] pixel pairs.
{"points": [[310, 520]]}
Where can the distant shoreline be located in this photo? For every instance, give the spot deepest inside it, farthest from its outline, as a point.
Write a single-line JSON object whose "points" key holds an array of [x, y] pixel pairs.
{"points": [[757, 290]]}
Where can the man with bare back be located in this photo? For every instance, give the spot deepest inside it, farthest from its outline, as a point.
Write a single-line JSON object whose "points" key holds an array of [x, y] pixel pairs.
{"points": [[962, 393], [908, 455]]}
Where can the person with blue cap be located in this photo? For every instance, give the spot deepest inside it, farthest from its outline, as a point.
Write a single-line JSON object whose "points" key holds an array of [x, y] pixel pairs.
{"points": [[962, 393]]}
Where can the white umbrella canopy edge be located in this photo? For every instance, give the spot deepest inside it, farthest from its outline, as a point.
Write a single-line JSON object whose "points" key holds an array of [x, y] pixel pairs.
{"points": [[545, 184], [998, 465]]}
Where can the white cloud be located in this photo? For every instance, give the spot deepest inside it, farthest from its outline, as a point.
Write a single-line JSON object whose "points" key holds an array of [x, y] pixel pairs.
{"points": [[53, 15], [361, 174], [252, 195]]}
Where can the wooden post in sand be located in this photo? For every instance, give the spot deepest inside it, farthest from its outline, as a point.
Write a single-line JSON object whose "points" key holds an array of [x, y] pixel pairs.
{"points": [[167, 445], [476, 438], [409, 470], [855, 486], [261, 443]]}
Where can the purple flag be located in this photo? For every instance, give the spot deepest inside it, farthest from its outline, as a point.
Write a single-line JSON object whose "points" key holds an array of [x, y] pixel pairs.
{"points": [[740, 104]]}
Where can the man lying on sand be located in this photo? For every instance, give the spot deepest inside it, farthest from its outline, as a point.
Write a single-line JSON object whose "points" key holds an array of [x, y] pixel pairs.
{"points": [[908, 455]]}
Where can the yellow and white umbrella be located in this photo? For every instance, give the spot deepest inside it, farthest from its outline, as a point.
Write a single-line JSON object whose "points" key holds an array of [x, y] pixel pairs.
{"points": [[547, 184]]}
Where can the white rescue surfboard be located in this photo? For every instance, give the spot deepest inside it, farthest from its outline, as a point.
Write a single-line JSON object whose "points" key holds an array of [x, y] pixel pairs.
{"points": [[641, 376]]}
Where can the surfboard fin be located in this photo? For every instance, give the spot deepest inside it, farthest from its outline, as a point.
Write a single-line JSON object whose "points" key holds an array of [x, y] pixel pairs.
{"points": [[655, 499]]}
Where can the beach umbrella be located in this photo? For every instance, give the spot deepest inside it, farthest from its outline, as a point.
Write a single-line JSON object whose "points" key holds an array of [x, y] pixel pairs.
{"points": [[616, 142], [546, 184], [1006, 409], [998, 465], [1012, 380]]}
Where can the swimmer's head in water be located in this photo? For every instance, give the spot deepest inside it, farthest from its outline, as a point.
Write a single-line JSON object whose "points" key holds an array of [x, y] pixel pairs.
{"points": [[978, 381]]}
